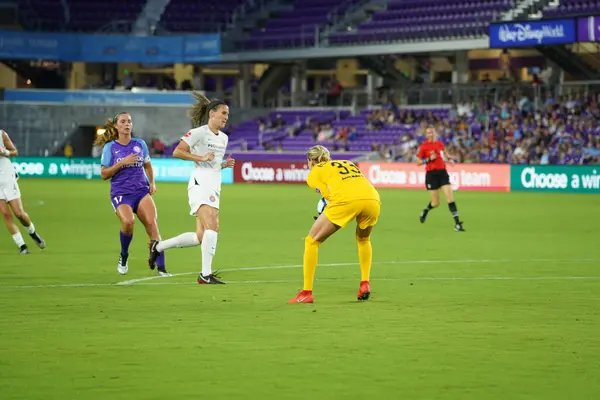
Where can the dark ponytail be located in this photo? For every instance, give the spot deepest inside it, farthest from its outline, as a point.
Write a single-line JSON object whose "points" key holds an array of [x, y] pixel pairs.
{"points": [[200, 111]]}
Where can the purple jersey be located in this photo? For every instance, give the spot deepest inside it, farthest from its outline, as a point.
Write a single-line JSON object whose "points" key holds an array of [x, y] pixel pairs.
{"points": [[131, 178]]}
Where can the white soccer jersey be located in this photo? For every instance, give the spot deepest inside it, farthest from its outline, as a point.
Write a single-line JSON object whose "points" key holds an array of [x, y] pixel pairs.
{"points": [[202, 141], [7, 170]]}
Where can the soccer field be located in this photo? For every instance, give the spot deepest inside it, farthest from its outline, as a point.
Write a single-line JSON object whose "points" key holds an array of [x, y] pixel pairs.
{"points": [[509, 309]]}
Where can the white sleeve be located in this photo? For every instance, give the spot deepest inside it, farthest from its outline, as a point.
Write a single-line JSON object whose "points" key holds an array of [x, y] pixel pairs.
{"points": [[192, 137]]}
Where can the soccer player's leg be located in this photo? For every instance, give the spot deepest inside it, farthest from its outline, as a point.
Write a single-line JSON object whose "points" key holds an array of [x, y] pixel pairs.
{"points": [[11, 226], [187, 239], [432, 188], [14, 201], [148, 215], [208, 221], [322, 229], [125, 213], [365, 222], [458, 225]]}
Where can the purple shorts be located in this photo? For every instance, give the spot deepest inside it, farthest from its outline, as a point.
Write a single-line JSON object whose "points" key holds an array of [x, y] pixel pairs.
{"points": [[132, 200]]}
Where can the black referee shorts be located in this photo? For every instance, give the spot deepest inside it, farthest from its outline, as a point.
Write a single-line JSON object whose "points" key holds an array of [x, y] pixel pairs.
{"points": [[436, 179]]}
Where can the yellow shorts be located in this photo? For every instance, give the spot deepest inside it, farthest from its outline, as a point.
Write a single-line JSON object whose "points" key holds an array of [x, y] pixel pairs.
{"points": [[366, 213]]}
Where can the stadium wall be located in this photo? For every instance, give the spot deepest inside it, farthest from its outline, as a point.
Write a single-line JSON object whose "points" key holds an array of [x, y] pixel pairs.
{"points": [[165, 169], [470, 177]]}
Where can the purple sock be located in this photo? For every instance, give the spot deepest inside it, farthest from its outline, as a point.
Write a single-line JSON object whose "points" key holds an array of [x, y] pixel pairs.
{"points": [[160, 260], [125, 242]]}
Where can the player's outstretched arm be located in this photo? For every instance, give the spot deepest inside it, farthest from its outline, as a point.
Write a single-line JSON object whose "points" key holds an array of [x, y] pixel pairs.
{"points": [[182, 151], [11, 150]]}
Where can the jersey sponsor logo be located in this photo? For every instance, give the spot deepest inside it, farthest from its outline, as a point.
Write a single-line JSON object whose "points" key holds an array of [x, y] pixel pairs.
{"points": [[139, 163]]}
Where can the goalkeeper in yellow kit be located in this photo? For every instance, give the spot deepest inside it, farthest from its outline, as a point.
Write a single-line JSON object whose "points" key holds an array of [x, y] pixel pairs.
{"points": [[349, 196]]}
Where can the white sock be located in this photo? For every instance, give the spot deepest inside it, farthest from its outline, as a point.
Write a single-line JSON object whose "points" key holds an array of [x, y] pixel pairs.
{"points": [[18, 239], [209, 247], [30, 228], [188, 239]]}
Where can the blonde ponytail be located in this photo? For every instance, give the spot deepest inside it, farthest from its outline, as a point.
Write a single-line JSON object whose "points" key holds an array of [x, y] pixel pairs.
{"points": [[318, 154], [110, 131]]}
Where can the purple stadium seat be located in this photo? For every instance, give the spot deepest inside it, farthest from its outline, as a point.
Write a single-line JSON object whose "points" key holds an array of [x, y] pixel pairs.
{"points": [[568, 8], [295, 28], [425, 20], [82, 16], [577, 142], [198, 17]]}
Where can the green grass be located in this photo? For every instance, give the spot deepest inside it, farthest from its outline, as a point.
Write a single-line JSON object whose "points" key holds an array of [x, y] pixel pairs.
{"points": [[493, 313]]}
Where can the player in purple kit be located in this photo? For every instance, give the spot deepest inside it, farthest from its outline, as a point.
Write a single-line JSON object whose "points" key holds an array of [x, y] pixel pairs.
{"points": [[126, 162]]}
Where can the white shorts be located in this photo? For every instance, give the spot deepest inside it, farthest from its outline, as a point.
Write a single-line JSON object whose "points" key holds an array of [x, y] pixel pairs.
{"points": [[198, 195], [9, 191]]}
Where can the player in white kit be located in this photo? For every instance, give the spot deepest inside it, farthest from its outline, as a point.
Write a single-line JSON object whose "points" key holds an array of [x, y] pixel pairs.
{"points": [[205, 145], [10, 197]]}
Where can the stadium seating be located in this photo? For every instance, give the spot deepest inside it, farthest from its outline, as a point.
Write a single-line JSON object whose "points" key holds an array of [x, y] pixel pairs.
{"points": [[497, 135], [82, 15], [198, 16], [297, 27], [425, 19], [572, 7]]}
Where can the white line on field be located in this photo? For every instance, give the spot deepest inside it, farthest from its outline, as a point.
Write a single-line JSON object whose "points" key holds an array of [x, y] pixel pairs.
{"points": [[246, 282], [150, 278], [145, 281]]}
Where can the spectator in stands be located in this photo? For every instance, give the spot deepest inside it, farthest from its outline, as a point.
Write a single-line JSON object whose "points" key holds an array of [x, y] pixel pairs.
{"points": [[342, 134], [68, 150], [279, 122], [334, 91], [128, 81], [96, 151], [157, 147], [296, 127], [326, 133], [262, 125]]}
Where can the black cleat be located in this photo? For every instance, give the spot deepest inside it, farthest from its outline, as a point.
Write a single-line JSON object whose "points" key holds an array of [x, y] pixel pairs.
{"points": [[423, 216], [459, 228], [23, 249], [38, 240], [162, 271], [153, 254], [212, 279]]}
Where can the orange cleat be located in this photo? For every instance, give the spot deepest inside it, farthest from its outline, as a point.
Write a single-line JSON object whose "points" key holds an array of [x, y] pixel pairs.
{"points": [[304, 296], [365, 291]]}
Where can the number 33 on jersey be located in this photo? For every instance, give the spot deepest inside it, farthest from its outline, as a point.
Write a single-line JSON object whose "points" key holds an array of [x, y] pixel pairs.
{"points": [[340, 181]]}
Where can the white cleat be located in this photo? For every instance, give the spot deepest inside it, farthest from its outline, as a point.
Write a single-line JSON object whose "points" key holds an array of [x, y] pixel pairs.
{"points": [[122, 269], [163, 272]]}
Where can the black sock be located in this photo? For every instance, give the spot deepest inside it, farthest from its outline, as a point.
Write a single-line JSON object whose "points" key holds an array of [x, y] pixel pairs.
{"points": [[429, 207], [454, 211]]}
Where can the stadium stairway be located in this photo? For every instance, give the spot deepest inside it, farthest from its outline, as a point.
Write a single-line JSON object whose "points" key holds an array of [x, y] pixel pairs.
{"points": [[357, 13], [248, 18], [272, 80], [524, 8], [569, 61], [8, 13], [145, 24], [41, 78], [384, 65]]}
